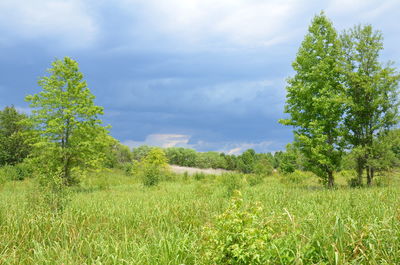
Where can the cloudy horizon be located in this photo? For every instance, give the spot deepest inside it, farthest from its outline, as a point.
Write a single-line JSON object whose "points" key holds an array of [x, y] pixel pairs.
{"points": [[202, 74]]}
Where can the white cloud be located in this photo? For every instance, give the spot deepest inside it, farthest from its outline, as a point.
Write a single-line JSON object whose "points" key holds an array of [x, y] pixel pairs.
{"points": [[182, 140], [161, 140], [206, 22], [68, 22], [188, 24], [365, 9], [25, 110], [237, 147], [263, 146]]}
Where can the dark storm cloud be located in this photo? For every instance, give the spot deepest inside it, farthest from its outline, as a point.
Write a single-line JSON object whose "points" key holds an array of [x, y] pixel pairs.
{"points": [[201, 74]]}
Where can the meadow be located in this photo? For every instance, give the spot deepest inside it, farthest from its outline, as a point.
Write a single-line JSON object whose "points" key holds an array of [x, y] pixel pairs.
{"points": [[112, 218]]}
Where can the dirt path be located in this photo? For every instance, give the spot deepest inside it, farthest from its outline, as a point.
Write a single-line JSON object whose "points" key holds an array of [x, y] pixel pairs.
{"points": [[192, 170]]}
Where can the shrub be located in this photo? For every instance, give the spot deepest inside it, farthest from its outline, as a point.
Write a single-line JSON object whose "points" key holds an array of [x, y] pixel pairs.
{"points": [[151, 175], [24, 170], [153, 167], [132, 169], [238, 236], [17, 172]]}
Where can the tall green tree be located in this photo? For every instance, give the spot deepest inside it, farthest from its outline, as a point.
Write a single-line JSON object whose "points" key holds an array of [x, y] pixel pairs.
{"points": [[372, 93], [13, 143], [71, 137], [314, 98]]}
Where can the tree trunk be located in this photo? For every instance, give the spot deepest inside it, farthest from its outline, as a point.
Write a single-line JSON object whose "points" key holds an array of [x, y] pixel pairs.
{"points": [[360, 167], [67, 158], [67, 171], [331, 180], [370, 175]]}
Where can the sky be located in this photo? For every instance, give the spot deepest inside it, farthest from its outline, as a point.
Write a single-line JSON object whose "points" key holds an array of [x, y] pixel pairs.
{"points": [[203, 74]]}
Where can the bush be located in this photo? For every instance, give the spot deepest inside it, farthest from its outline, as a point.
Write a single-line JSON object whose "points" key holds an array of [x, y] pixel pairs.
{"points": [[17, 172], [238, 236], [151, 175], [132, 169], [24, 170], [153, 167]]}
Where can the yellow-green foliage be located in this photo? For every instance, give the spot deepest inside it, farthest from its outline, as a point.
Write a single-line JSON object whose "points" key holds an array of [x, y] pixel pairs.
{"points": [[154, 166], [238, 236], [67, 133]]}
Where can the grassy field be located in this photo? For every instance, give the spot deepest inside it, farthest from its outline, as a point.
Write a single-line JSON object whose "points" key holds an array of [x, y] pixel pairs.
{"points": [[113, 219]]}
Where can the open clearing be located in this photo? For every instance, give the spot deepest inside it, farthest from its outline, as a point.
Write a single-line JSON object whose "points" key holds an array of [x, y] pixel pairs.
{"points": [[193, 170], [114, 219]]}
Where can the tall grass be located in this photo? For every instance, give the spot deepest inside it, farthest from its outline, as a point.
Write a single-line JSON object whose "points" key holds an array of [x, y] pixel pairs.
{"points": [[114, 219]]}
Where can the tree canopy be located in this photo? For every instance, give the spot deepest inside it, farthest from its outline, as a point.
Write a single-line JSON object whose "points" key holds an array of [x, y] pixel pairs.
{"points": [[314, 98], [371, 94], [70, 133]]}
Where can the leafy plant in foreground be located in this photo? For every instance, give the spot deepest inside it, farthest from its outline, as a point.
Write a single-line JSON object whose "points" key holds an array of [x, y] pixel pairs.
{"points": [[238, 236]]}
